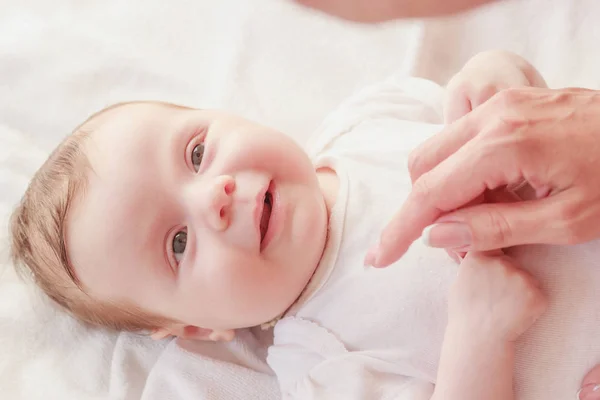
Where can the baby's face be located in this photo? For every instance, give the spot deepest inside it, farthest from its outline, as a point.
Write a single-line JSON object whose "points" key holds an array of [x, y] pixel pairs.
{"points": [[174, 217]]}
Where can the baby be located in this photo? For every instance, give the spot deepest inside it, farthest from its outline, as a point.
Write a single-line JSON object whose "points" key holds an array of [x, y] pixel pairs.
{"points": [[195, 223]]}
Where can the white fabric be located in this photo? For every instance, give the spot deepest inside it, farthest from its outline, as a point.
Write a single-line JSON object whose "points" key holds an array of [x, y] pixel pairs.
{"points": [[361, 332], [265, 59], [234, 370]]}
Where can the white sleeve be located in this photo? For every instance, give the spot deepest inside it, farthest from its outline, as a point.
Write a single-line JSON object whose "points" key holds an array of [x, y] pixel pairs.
{"points": [[312, 364], [399, 98]]}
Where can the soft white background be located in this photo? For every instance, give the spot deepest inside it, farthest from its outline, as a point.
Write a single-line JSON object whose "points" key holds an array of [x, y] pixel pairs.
{"points": [[265, 59]]}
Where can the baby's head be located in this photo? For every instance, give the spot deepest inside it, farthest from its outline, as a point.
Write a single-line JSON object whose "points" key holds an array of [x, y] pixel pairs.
{"points": [[186, 222]]}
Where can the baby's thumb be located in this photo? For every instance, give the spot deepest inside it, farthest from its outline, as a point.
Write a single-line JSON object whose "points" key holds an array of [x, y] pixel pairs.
{"points": [[493, 226]]}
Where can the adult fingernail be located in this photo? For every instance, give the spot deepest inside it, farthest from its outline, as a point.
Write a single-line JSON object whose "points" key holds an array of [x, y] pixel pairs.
{"points": [[589, 392], [447, 235]]}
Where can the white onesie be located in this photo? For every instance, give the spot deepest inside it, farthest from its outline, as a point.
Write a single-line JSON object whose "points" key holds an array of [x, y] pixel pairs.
{"points": [[365, 333]]}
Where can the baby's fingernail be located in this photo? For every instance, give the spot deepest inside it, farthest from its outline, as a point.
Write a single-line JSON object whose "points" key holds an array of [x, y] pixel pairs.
{"points": [[589, 392], [371, 256], [447, 235]]}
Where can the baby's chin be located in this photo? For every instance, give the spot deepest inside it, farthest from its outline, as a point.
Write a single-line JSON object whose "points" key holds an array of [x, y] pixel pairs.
{"points": [[271, 318]]}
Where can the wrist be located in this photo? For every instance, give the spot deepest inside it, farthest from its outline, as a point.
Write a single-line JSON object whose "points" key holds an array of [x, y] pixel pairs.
{"points": [[475, 366], [478, 338]]}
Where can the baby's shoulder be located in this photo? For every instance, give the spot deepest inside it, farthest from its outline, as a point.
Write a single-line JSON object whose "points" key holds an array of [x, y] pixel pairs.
{"points": [[397, 99]]}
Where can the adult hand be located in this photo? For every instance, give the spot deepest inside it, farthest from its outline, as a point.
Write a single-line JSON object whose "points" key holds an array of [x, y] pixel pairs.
{"points": [[370, 11], [548, 139]]}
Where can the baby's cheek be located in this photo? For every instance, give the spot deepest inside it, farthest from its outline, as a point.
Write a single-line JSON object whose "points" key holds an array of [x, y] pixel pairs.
{"points": [[237, 274]]}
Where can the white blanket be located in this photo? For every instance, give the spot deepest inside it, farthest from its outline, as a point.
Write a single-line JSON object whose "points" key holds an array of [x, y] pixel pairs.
{"points": [[267, 60]]}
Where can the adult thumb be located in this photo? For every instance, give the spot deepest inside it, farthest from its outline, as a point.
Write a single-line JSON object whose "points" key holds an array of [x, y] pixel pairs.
{"points": [[495, 226]]}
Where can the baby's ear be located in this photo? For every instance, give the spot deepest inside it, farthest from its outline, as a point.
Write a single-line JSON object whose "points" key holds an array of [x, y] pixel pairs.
{"points": [[193, 333]]}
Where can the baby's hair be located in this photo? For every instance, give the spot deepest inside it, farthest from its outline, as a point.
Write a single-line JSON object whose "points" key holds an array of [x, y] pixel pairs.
{"points": [[38, 247]]}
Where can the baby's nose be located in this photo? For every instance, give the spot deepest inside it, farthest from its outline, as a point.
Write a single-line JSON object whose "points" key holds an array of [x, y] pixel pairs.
{"points": [[220, 198]]}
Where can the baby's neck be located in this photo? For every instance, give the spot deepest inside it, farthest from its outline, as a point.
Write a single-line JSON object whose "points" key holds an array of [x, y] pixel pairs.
{"points": [[329, 183]]}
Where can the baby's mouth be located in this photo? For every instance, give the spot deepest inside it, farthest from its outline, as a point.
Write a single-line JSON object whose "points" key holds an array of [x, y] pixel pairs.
{"points": [[266, 215]]}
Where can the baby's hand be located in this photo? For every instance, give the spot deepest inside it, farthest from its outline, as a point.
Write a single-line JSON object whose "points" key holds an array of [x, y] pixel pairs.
{"points": [[493, 298], [482, 77]]}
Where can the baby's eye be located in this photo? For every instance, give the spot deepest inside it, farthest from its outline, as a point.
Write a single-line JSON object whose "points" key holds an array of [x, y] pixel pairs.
{"points": [[179, 242], [197, 154]]}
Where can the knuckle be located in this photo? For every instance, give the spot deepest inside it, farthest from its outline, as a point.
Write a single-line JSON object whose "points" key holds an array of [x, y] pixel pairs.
{"points": [[422, 188], [498, 228], [508, 125], [414, 161], [509, 98], [508, 139]]}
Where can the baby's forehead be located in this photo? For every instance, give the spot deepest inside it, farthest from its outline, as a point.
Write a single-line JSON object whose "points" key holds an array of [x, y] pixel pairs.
{"points": [[127, 109], [128, 126], [132, 111]]}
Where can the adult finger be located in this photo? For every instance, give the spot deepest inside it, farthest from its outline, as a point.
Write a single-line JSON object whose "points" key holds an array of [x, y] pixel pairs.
{"points": [[489, 117], [440, 146], [495, 226], [457, 256], [453, 183], [493, 196]]}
